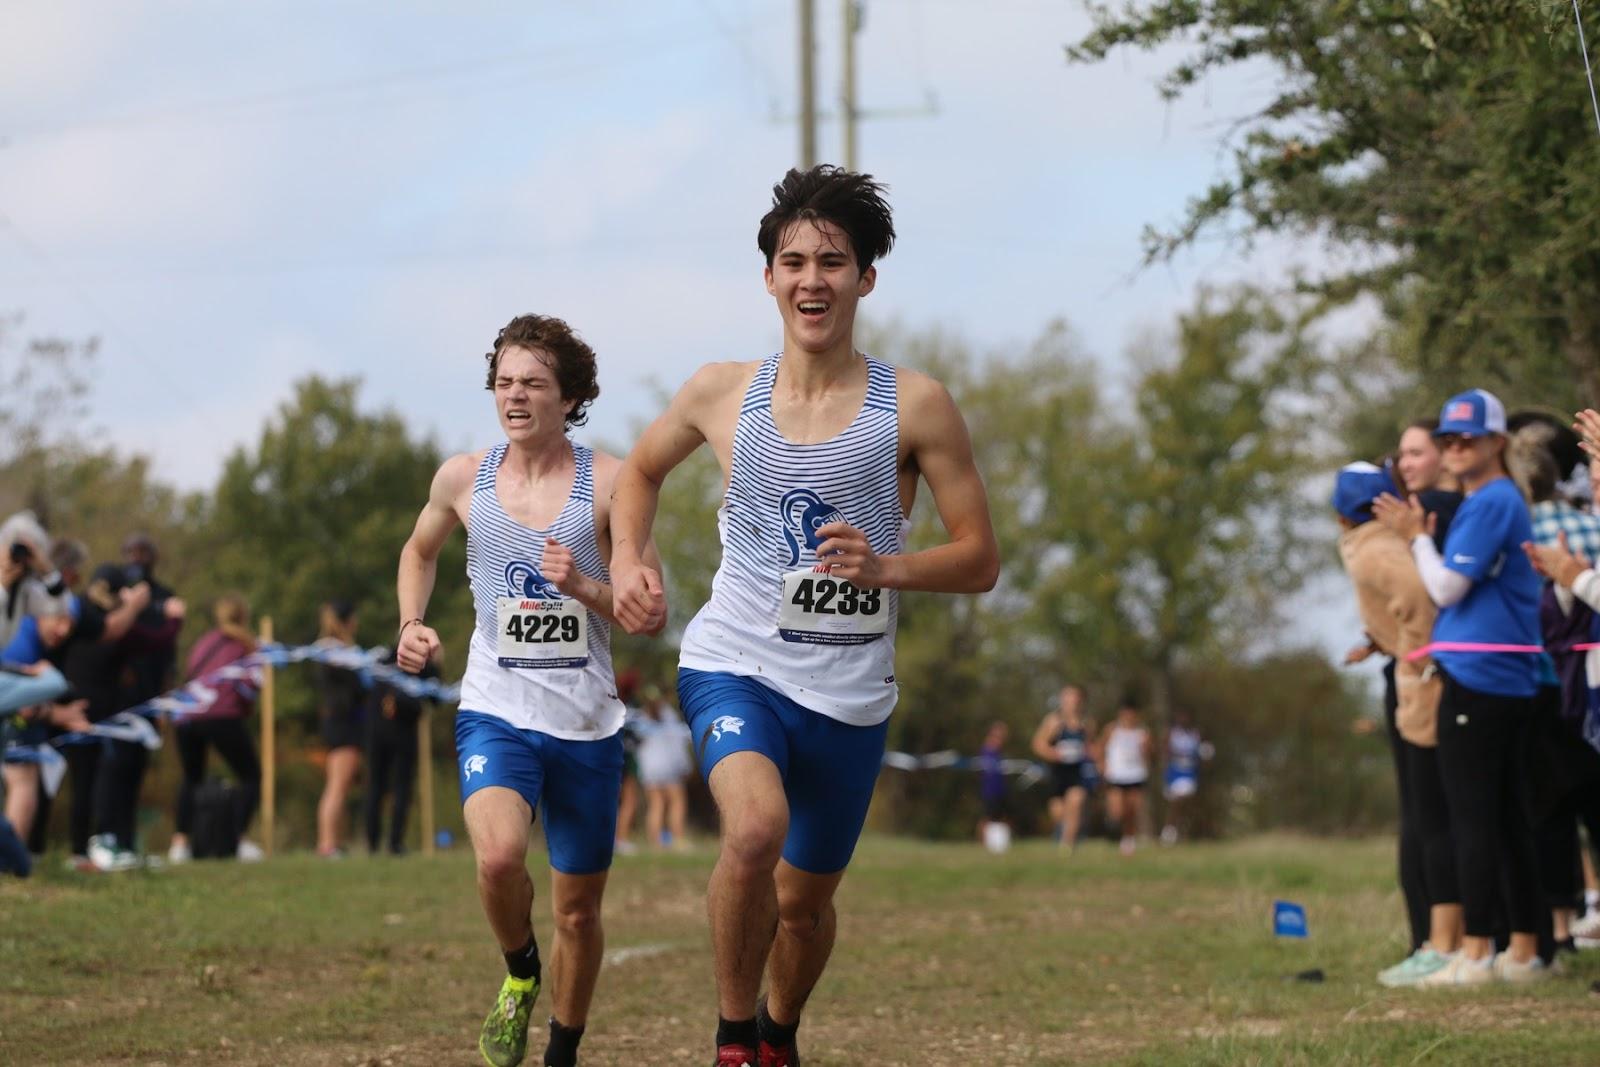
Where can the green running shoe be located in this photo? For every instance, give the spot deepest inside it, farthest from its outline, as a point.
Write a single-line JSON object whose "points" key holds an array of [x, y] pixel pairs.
{"points": [[504, 1040]]}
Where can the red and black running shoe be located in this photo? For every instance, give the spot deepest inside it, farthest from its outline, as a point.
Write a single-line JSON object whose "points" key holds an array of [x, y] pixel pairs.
{"points": [[736, 1056], [775, 1056]]}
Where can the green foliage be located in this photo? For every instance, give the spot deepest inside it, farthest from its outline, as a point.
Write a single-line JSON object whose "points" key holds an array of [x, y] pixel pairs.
{"points": [[1449, 147]]}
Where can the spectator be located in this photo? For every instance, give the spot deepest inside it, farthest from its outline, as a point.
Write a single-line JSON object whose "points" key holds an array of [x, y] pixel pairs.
{"points": [[628, 800], [1399, 616], [340, 697], [392, 718], [91, 655], [664, 765], [1062, 741], [1488, 596], [28, 581], [148, 669], [994, 830], [220, 726]]}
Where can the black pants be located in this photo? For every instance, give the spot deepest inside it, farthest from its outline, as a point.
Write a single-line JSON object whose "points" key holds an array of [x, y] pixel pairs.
{"points": [[1413, 886], [1565, 772], [121, 780], [83, 763], [233, 742], [1482, 738], [391, 767]]}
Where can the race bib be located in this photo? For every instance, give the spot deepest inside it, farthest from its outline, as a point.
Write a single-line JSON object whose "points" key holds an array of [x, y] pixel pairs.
{"points": [[535, 633], [1069, 750], [819, 609]]}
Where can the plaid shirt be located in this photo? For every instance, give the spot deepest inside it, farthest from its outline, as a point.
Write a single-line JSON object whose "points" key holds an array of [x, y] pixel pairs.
{"points": [[1550, 517]]}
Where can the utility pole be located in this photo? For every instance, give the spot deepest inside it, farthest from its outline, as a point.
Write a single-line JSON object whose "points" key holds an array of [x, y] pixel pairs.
{"points": [[851, 23], [808, 84]]}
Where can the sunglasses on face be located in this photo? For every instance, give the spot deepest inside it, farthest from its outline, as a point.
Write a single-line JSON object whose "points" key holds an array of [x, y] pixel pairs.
{"points": [[1451, 440]]}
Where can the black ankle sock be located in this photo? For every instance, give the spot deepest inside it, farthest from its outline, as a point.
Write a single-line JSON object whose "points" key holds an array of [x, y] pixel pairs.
{"points": [[737, 1032], [773, 1034], [563, 1048], [524, 962]]}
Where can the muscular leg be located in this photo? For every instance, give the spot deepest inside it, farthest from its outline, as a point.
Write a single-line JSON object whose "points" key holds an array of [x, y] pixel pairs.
{"points": [[743, 897], [578, 946], [498, 821], [807, 923]]}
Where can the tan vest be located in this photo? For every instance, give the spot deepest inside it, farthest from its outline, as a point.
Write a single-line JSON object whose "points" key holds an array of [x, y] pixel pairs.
{"points": [[1398, 616]]}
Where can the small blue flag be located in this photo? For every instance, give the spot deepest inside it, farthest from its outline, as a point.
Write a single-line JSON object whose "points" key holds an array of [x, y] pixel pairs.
{"points": [[1288, 919]]}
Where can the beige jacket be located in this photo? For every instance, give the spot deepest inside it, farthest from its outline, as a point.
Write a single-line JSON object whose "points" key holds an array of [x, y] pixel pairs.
{"points": [[1398, 616]]}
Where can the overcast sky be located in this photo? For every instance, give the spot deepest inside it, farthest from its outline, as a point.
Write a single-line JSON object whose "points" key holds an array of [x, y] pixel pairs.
{"points": [[232, 196]]}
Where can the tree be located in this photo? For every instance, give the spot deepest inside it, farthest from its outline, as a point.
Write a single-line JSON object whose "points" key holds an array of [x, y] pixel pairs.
{"points": [[319, 510], [1448, 146]]}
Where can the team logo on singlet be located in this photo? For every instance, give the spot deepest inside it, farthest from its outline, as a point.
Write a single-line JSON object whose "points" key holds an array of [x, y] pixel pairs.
{"points": [[804, 513], [524, 580], [476, 765]]}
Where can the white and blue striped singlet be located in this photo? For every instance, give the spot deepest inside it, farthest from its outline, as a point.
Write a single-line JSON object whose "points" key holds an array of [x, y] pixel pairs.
{"points": [[503, 558], [778, 492]]}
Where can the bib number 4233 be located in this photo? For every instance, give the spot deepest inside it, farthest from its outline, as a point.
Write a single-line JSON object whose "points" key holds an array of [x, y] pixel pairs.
{"points": [[818, 608]]}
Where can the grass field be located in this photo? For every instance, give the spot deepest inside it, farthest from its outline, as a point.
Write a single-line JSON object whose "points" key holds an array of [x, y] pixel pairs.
{"points": [[946, 956]]}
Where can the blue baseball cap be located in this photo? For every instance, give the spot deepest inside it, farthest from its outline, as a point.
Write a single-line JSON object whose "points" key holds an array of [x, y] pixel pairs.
{"points": [[1476, 412], [1357, 485]]}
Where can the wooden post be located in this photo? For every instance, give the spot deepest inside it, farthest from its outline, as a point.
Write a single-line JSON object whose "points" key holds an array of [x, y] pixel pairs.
{"points": [[425, 771], [269, 754]]}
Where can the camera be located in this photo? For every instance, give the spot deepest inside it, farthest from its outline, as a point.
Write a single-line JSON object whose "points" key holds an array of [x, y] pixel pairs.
{"points": [[134, 573], [21, 553]]}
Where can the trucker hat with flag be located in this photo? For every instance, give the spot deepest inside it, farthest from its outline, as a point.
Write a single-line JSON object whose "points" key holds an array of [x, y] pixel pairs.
{"points": [[1357, 485], [1476, 412]]}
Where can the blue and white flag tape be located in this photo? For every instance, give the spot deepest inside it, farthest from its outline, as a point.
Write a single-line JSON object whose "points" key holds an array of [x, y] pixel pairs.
{"points": [[1027, 771]]}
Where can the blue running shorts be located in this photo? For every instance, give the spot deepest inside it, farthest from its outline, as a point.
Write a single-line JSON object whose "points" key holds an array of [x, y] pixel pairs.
{"points": [[574, 784], [828, 767]]}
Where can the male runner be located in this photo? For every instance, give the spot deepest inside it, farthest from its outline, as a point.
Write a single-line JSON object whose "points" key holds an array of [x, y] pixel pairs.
{"points": [[539, 719], [787, 674]]}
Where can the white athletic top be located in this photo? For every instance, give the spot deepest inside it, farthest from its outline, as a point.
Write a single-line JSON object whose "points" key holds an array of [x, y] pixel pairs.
{"points": [[519, 667], [776, 616], [1125, 763]]}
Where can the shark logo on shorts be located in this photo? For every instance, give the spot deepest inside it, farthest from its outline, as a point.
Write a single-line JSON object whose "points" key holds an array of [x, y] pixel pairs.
{"points": [[476, 765], [524, 580], [804, 513], [726, 724]]}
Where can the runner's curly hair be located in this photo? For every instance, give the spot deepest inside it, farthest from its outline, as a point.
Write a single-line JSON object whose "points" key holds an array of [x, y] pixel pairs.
{"points": [[573, 360]]}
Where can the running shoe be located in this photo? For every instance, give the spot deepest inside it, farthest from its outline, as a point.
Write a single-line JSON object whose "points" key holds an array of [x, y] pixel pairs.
{"points": [[107, 855], [1509, 970], [504, 1038], [1414, 968], [1586, 931], [1461, 972], [249, 852], [179, 852], [773, 1056], [736, 1056]]}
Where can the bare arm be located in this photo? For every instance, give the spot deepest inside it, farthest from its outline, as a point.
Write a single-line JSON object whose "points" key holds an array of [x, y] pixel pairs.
{"points": [[560, 568], [1041, 739], [639, 599], [121, 619], [941, 448], [419, 562]]}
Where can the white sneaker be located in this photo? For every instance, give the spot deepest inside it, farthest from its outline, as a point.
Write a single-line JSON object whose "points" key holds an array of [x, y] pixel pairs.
{"points": [[1128, 845], [1461, 971], [1169, 835], [1413, 969], [106, 856], [1586, 931], [249, 852], [1509, 970], [179, 852]]}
